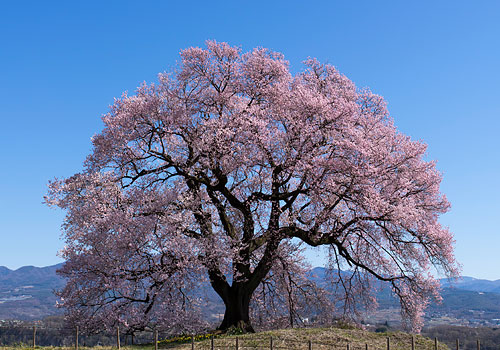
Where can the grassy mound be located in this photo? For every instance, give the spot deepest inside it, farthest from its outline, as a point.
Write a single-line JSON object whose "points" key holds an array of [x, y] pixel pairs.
{"points": [[288, 339], [321, 339]]}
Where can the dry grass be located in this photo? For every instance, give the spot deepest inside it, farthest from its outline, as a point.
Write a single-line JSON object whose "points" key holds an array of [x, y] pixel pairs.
{"points": [[321, 339], [291, 339], [24, 347]]}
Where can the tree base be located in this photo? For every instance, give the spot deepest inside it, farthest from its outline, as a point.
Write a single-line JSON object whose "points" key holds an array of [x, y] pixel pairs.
{"points": [[238, 327]]}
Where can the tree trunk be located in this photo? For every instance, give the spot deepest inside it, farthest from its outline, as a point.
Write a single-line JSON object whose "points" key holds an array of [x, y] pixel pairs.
{"points": [[237, 302]]}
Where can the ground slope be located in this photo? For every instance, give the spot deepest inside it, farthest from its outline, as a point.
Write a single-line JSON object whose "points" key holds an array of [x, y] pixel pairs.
{"points": [[291, 339], [321, 339]]}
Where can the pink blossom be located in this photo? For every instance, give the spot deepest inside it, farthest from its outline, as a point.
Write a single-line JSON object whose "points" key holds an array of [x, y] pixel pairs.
{"points": [[219, 169]]}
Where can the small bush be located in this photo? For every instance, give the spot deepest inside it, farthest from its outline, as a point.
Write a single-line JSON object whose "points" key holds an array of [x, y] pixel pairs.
{"points": [[381, 329]]}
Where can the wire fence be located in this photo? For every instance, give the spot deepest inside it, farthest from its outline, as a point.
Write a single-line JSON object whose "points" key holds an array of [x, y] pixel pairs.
{"points": [[67, 337], [274, 343], [156, 339]]}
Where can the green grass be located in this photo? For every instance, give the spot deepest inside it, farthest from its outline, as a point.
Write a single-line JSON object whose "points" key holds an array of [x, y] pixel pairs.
{"points": [[288, 339]]}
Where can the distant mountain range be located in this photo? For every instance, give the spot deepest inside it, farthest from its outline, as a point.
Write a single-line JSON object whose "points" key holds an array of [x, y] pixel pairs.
{"points": [[464, 283], [27, 294], [473, 284]]}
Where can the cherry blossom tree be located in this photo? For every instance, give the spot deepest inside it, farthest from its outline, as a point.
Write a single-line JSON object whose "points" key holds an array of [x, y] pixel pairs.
{"points": [[222, 167]]}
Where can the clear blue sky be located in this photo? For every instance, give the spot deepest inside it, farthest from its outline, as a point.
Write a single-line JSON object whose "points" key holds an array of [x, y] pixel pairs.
{"points": [[437, 63]]}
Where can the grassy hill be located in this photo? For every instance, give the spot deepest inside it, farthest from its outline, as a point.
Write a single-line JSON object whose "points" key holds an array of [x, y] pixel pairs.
{"points": [[321, 338], [295, 339]]}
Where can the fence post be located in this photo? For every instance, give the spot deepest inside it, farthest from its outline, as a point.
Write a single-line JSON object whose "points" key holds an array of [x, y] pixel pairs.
{"points": [[458, 344], [156, 339], [192, 342], [366, 346], [436, 343], [76, 338], [34, 336], [412, 342], [212, 342], [237, 345], [271, 343], [348, 346], [388, 343], [118, 337], [310, 345], [478, 344]]}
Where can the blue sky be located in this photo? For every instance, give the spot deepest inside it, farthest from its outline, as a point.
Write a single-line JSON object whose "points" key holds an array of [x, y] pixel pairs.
{"points": [[62, 63]]}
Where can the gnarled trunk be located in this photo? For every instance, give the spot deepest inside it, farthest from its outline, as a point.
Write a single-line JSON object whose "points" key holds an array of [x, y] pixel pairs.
{"points": [[237, 302]]}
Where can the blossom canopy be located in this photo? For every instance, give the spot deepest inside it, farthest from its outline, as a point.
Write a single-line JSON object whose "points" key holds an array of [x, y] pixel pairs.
{"points": [[228, 164]]}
